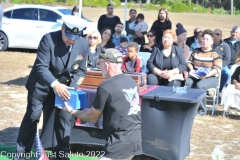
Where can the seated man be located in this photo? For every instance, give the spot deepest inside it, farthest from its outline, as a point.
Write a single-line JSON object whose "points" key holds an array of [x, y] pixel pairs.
{"points": [[223, 49], [234, 43], [193, 39], [116, 37], [132, 63], [117, 98]]}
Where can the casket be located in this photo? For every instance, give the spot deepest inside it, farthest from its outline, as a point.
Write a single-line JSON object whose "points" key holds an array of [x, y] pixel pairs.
{"points": [[94, 78]]}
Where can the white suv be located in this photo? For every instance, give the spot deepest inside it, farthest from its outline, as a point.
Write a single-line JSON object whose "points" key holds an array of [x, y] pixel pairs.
{"points": [[23, 26]]}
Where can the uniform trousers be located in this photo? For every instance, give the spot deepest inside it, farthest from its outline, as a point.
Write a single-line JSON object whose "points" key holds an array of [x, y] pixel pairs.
{"points": [[59, 120]]}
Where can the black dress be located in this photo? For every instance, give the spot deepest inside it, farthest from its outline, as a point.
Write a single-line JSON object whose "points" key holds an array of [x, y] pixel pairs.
{"points": [[159, 28]]}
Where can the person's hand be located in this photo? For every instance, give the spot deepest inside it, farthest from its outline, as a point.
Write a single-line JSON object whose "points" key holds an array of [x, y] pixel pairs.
{"points": [[164, 74], [62, 91], [168, 74], [237, 85], [67, 108], [147, 47], [192, 72]]}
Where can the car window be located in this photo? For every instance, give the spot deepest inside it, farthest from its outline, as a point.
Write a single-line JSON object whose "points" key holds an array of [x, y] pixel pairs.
{"points": [[65, 11], [49, 16], [25, 13], [8, 14]]}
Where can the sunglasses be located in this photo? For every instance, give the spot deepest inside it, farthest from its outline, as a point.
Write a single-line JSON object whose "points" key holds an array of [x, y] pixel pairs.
{"points": [[150, 35], [107, 33], [95, 38]]}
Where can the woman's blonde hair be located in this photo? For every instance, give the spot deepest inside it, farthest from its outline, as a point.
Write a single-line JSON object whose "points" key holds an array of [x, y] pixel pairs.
{"points": [[169, 31], [99, 39], [237, 58]]}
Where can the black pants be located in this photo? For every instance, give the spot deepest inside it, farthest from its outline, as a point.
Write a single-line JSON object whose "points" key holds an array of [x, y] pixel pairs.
{"points": [[206, 83], [57, 125], [156, 80]]}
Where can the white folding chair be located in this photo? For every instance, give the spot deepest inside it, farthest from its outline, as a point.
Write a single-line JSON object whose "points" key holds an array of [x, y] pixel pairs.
{"points": [[144, 64], [146, 55], [212, 96]]}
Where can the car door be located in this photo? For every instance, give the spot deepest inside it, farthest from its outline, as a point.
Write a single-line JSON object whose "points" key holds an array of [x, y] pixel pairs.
{"points": [[21, 27], [47, 22]]}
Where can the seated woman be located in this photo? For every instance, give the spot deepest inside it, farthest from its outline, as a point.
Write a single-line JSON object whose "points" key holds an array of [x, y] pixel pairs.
{"points": [[166, 62], [94, 39], [204, 66], [231, 95], [198, 43], [181, 39], [106, 35], [148, 47]]}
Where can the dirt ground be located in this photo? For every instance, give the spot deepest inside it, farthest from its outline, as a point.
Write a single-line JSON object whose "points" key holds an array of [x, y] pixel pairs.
{"points": [[208, 131]]}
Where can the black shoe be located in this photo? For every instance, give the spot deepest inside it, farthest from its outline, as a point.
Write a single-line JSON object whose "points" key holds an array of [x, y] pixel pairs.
{"points": [[201, 112]]}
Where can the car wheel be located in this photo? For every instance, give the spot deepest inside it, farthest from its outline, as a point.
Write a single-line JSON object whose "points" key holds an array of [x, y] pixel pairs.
{"points": [[3, 42]]}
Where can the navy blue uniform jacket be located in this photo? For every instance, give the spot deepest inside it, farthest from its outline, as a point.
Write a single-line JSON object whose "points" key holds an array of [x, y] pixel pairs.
{"points": [[50, 63]]}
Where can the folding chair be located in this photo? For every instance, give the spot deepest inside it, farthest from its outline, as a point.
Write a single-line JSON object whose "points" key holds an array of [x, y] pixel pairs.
{"points": [[233, 68], [212, 96], [144, 64], [146, 55]]}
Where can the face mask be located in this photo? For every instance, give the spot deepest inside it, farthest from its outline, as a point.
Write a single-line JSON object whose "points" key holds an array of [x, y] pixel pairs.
{"points": [[76, 14]]}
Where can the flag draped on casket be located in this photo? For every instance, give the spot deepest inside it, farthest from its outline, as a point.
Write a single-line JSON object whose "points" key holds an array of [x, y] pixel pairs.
{"points": [[40, 153]]}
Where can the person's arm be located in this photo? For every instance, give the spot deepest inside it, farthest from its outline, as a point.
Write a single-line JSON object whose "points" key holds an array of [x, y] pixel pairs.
{"points": [[93, 114], [99, 26], [227, 54], [186, 52], [182, 66], [150, 66], [124, 69], [128, 30], [138, 65], [154, 26], [79, 74], [217, 65], [169, 25], [43, 61], [235, 75], [86, 114]]}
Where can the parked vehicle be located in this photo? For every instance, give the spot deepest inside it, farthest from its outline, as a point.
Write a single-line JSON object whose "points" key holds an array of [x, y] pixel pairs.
{"points": [[24, 25]]}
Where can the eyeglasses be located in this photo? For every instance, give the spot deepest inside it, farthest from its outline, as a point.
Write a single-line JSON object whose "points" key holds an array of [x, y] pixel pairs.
{"points": [[95, 38], [150, 35], [107, 33], [217, 34]]}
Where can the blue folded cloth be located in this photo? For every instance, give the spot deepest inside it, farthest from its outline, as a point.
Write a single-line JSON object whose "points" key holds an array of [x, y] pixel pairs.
{"points": [[78, 100], [202, 71]]}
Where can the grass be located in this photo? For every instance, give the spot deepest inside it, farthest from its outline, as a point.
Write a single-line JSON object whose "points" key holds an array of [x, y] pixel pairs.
{"points": [[208, 131]]}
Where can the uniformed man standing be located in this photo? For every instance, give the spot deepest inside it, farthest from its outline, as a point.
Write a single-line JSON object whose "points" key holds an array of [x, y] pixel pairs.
{"points": [[59, 65]]}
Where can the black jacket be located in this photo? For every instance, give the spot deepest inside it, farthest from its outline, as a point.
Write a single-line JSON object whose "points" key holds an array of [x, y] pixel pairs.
{"points": [[177, 60], [190, 40], [50, 64], [159, 28], [131, 31], [234, 49], [236, 75], [224, 52]]}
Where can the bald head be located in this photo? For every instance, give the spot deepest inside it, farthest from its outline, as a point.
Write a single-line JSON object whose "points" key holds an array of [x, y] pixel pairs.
{"points": [[196, 30]]}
